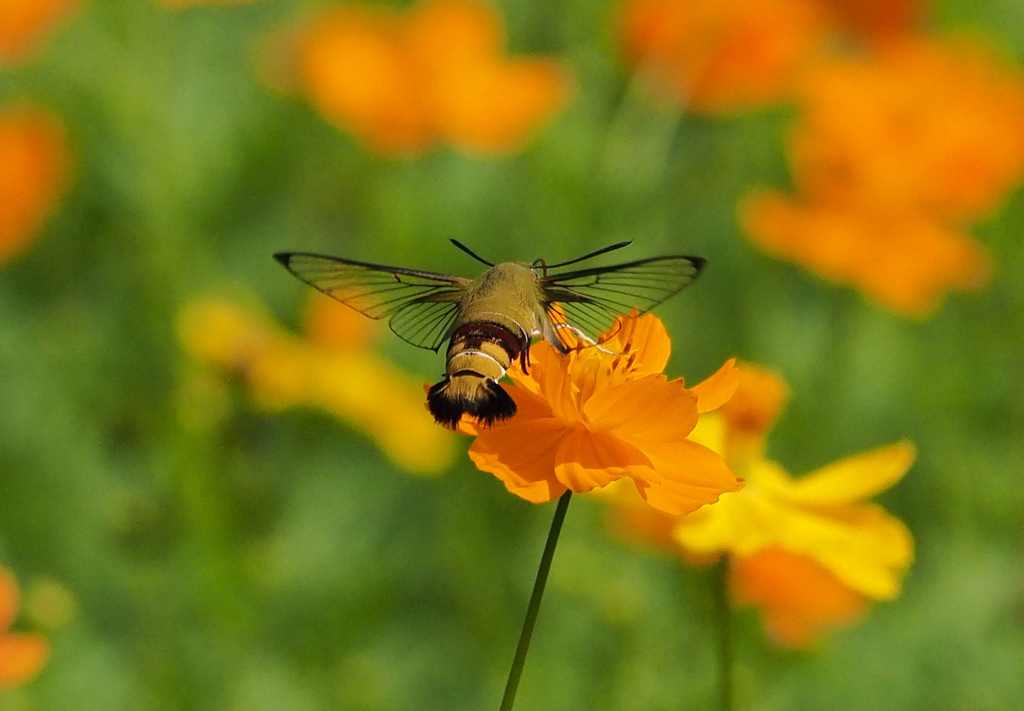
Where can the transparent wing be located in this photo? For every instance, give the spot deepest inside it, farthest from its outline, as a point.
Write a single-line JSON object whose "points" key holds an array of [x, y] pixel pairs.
{"points": [[420, 306], [590, 299]]}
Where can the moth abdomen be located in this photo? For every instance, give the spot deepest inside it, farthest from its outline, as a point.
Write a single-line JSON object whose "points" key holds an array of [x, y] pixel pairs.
{"points": [[470, 393], [478, 356]]}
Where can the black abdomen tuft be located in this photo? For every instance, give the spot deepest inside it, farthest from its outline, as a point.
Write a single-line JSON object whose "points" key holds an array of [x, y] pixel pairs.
{"points": [[469, 393]]}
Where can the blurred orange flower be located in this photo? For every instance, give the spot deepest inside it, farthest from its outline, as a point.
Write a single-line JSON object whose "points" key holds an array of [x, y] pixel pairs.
{"points": [[916, 125], [596, 415], [35, 162], [809, 553], [877, 19], [904, 262], [25, 23], [893, 153], [799, 598], [403, 79], [334, 368], [22, 654], [720, 55], [190, 3]]}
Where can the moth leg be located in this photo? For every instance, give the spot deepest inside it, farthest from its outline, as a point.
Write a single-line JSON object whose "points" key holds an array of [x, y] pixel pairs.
{"points": [[551, 337], [585, 338]]}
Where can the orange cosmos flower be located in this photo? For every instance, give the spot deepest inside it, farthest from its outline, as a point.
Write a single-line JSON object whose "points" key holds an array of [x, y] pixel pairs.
{"points": [[809, 553], [401, 80], [599, 414], [799, 598], [720, 55], [877, 19], [904, 262], [919, 124], [334, 369], [893, 153], [25, 23], [34, 166], [190, 3], [22, 655]]}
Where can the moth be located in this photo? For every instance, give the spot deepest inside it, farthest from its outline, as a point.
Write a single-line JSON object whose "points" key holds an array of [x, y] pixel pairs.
{"points": [[489, 322]]}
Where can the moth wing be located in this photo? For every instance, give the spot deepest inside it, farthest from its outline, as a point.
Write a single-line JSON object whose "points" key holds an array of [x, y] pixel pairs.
{"points": [[420, 306], [590, 299]]}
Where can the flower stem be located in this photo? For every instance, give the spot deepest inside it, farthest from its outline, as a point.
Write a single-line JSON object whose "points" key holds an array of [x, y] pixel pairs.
{"points": [[723, 618], [531, 611]]}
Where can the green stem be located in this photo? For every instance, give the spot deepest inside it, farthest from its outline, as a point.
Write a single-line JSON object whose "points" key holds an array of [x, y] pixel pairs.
{"points": [[723, 618], [531, 612]]}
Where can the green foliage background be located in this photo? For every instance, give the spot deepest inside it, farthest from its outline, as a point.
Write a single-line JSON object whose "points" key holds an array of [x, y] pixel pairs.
{"points": [[280, 562]]}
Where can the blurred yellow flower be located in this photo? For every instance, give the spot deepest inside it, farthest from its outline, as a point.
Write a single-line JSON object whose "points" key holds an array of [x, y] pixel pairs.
{"points": [[895, 151], [401, 80], [720, 55], [809, 553], [333, 368], [35, 162], [24, 24], [596, 415], [22, 654]]}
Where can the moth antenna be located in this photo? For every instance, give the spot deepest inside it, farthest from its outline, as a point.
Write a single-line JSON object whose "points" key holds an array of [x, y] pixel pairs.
{"points": [[603, 250], [470, 252]]}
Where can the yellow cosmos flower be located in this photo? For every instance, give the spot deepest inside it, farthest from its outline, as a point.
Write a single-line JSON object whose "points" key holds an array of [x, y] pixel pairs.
{"points": [[604, 413], [22, 655], [808, 552], [334, 368]]}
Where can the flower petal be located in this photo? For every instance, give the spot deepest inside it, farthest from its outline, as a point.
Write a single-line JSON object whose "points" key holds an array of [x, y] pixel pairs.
{"points": [[494, 107], [710, 431], [650, 408], [715, 390], [377, 398], [8, 600], [25, 26], [738, 524], [21, 658], [542, 358], [529, 406], [645, 336], [35, 163], [688, 475], [356, 71], [760, 396], [588, 460], [915, 257], [862, 544], [522, 455], [797, 597], [854, 478]]}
